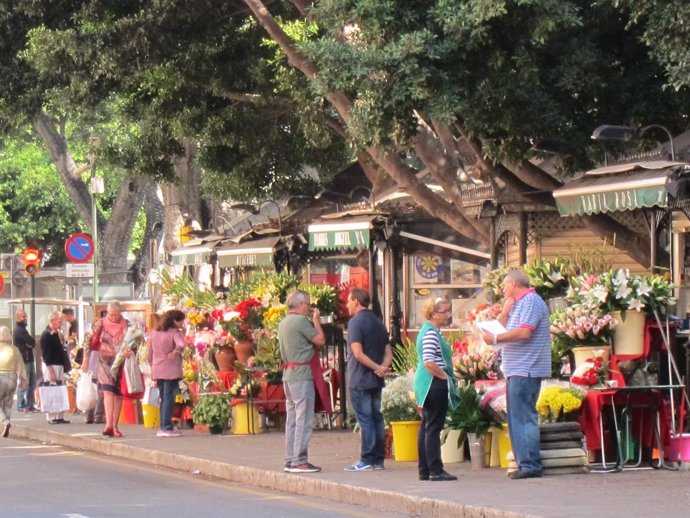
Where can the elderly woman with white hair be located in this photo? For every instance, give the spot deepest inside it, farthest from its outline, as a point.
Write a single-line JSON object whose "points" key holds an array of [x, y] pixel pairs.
{"points": [[12, 370], [109, 331], [53, 359]]}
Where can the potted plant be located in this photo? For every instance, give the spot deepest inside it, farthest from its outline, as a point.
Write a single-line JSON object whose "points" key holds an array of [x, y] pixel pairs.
{"points": [[242, 322], [579, 329], [212, 410], [470, 417], [400, 412]]}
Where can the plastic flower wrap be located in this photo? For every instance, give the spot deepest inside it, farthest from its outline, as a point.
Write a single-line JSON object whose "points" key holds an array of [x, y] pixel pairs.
{"points": [[594, 371], [397, 400], [474, 360], [555, 401], [132, 340], [484, 312], [494, 402]]}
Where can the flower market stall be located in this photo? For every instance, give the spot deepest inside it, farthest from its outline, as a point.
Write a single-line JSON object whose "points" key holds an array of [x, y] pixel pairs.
{"points": [[233, 348]]}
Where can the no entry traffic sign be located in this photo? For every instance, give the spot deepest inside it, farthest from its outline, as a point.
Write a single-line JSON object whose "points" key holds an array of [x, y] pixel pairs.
{"points": [[79, 248]]}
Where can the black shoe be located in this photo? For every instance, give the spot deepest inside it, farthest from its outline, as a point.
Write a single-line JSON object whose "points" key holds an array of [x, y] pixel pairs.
{"points": [[517, 475], [6, 433], [55, 421], [442, 477], [63, 421], [423, 477]]}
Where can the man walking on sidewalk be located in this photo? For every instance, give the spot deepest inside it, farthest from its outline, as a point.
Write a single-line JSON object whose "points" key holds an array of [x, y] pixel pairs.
{"points": [[370, 357], [299, 340]]}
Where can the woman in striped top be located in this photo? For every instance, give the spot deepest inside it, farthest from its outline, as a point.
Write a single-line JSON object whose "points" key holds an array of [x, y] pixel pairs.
{"points": [[434, 388]]}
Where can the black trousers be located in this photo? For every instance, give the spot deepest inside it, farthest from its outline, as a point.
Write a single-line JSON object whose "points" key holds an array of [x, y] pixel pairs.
{"points": [[433, 420]]}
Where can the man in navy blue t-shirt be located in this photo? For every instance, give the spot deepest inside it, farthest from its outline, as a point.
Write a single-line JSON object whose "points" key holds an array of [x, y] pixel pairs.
{"points": [[370, 357]]}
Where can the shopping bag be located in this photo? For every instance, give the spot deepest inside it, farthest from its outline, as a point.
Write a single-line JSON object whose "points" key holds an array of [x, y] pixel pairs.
{"points": [[132, 380], [151, 396], [54, 398], [87, 393]]}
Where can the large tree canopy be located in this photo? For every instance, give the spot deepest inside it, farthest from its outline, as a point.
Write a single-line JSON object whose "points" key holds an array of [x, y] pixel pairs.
{"points": [[263, 89], [439, 77]]}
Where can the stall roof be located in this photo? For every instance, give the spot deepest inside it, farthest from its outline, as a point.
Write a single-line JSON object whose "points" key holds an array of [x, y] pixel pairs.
{"points": [[255, 252], [47, 301], [343, 231], [620, 187], [195, 251]]}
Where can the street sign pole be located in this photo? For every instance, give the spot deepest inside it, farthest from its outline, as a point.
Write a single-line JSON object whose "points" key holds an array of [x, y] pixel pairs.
{"points": [[33, 305], [94, 223]]}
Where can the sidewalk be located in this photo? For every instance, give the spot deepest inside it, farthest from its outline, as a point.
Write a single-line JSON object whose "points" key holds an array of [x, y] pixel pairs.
{"points": [[257, 460]]}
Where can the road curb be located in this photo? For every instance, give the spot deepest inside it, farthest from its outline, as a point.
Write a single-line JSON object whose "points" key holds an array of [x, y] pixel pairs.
{"points": [[288, 483]]}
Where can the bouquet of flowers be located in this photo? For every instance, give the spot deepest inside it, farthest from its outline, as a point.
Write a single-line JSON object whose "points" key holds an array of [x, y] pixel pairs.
{"points": [[555, 401], [474, 361], [594, 371], [397, 400], [484, 312], [244, 319], [548, 277], [619, 290], [493, 282], [244, 387], [580, 325]]}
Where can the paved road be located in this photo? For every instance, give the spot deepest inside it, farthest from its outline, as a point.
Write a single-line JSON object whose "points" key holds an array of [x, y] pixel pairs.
{"points": [[46, 481]]}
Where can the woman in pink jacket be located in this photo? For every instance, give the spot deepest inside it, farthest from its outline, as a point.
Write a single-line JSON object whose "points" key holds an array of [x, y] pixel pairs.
{"points": [[165, 356]]}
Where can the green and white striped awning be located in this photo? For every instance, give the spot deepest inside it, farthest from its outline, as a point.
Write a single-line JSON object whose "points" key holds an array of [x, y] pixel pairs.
{"points": [[255, 252], [616, 188], [192, 256], [346, 235]]}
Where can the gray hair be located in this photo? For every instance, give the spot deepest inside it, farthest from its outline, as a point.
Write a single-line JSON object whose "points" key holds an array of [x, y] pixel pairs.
{"points": [[5, 335], [114, 304], [54, 315], [520, 278], [296, 298]]}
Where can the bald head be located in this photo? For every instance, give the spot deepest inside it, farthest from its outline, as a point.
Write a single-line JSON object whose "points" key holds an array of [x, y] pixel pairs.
{"points": [[20, 316]]}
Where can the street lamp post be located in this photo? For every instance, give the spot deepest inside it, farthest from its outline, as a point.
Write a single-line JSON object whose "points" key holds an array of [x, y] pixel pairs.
{"points": [[97, 186], [254, 209], [627, 134]]}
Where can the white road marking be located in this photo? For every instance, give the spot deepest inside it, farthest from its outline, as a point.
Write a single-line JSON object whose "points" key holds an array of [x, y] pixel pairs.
{"points": [[73, 515]]}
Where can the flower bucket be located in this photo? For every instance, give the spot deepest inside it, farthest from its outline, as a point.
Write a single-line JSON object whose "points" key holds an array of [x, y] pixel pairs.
{"points": [[451, 451], [677, 441], [129, 411], [151, 415], [245, 419], [477, 451], [504, 447], [244, 349], [628, 335], [405, 440], [584, 353]]}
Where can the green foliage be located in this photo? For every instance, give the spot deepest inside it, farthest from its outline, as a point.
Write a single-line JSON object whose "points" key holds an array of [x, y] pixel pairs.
{"points": [[212, 410], [33, 201], [323, 296], [183, 287], [278, 284], [404, 357], [468, 415]]}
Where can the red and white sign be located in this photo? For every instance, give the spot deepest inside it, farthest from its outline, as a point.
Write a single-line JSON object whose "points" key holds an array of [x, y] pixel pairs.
{"points": [[79, 248]]}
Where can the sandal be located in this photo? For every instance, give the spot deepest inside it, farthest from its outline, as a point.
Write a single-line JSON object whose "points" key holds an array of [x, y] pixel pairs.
{"points": [[117, 433], [108, 432]]}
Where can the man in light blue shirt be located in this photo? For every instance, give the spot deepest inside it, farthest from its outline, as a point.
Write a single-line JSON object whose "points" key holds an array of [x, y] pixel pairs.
{"points": [[526, 360]]}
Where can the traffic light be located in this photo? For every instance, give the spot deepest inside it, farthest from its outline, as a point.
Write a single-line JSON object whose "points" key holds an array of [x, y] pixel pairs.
{"points": [[32, 260]]}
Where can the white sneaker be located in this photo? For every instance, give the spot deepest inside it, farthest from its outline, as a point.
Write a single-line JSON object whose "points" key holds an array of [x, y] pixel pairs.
{"points": [[168, 433]]}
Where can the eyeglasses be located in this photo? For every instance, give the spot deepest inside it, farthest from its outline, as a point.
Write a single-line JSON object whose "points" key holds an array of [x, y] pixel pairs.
{"points": [[444, 311]]}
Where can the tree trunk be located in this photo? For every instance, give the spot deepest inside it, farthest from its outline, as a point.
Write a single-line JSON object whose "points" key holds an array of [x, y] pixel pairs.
{"points": [[114, 235]]}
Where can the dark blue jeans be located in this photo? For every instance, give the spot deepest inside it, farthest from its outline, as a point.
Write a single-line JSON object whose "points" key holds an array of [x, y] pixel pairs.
{"points": [[25, 396], [523, 424], [433, 420], [367, 406], [167, 390]]}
